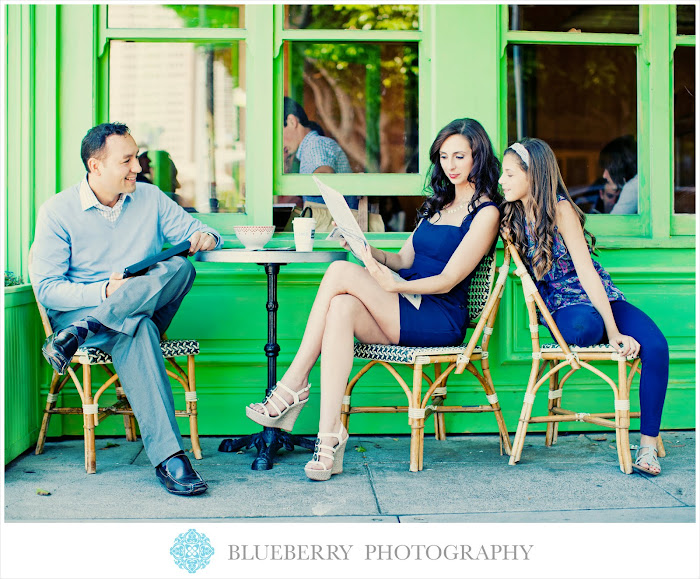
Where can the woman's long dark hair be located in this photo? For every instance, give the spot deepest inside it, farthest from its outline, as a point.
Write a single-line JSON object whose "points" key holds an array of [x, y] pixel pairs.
{"points": [[484, 174], [546, 183]]}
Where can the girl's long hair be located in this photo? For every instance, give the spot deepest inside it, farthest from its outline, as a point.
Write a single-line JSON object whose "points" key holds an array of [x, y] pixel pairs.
{"points": [[546, 184], [484, 174]]}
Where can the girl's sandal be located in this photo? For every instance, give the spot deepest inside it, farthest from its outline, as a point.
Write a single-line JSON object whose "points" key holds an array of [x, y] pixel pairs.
{"points": [[648, 456]]}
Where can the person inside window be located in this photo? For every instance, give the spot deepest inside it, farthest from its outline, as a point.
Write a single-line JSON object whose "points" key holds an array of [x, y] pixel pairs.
{"points": [[618, 160], [306, 146]]}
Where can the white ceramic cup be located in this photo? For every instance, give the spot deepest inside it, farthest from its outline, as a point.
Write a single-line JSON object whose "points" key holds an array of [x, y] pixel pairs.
{"points": [[304, 231]]}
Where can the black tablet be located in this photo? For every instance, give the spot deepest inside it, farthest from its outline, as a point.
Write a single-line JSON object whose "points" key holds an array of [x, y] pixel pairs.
{"points": [[144, 265]]}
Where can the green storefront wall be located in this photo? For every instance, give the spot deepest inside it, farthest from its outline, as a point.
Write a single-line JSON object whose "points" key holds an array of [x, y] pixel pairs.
{"points": [[56, 90]]}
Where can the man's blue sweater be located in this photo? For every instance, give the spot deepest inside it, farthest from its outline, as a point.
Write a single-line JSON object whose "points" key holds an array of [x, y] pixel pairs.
{"points": [[75, 250]]}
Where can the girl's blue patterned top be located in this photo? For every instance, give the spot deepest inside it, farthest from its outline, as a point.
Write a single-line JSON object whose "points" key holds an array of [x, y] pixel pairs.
{"points": [[561, 286]]}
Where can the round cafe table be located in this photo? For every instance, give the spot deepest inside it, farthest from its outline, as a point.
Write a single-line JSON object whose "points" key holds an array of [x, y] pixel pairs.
{"points": [[270, 440]]}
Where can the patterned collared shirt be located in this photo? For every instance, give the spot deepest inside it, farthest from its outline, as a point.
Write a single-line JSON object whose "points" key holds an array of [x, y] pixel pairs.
{"points": [[316, 151], [88, 199]]}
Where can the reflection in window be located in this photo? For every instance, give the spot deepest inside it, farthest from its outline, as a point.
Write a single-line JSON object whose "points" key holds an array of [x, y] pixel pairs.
{"points": [[685, 19], [184, 104], [351, 16], [176, 16], [578, 99], [575, 18], [364, 96], [684, 129]]}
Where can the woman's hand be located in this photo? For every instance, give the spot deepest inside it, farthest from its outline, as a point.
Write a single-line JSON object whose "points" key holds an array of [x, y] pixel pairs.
{"points": [[381, 273], [341, 239], [625, 345]]}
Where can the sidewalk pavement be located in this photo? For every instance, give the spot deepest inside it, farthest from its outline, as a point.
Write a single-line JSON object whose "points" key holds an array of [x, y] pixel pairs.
{"points": [[464, 480]]}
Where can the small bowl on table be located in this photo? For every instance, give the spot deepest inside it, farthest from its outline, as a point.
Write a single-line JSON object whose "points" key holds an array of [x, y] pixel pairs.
{"points": [[254, 236]]}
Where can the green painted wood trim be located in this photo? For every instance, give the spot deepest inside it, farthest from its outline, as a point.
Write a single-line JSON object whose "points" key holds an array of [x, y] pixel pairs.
{"points": [[259, 122], [656, 120], [351, 35], [684, 225], [571, 38], [177, 34], [46, 105], [76, 75], [356, 183]]}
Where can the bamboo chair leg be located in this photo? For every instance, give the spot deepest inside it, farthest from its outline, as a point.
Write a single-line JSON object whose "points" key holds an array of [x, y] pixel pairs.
{"points": [[89, 424], [490, 389], [47, 415], [660, 450], [552, 427], [129, 420], [192, 409], [416, 423], [439, 417], [525, 415], [622, 420]]}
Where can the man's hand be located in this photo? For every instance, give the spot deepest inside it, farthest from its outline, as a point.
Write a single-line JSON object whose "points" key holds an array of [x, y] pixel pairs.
{"points": [[201, 241], [116, 280]]}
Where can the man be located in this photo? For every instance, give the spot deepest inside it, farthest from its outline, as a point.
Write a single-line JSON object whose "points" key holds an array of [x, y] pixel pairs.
{"points": [[85, 237], [304, 142]]}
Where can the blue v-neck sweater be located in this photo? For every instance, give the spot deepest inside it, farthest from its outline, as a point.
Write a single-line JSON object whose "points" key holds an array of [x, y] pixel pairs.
{"points": [[75, 250]]}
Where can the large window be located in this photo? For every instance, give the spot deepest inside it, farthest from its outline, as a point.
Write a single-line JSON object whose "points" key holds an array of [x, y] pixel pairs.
{"points": [[184, 103], [580, 96], [684, 97], [362, 95]]}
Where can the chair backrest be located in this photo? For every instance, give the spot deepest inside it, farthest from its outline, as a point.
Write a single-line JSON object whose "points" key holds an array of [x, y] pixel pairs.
{"points": [[534, 301], [42, 310], [480, 287]]}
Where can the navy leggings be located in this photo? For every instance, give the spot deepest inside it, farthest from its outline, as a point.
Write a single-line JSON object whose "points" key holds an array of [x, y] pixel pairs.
{"points": [[582, 325]]}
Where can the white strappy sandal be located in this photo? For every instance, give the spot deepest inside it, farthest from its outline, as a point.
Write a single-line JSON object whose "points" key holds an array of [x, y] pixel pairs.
{"points": [[286, 417], [335, 453]]}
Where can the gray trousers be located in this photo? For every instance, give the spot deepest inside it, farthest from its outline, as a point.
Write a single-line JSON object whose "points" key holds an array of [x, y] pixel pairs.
{"points": [[135, 317]]}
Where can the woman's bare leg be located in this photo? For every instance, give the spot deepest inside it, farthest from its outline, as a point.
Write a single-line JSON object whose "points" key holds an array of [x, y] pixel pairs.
{"points": [[348, 317], [340, 278]]}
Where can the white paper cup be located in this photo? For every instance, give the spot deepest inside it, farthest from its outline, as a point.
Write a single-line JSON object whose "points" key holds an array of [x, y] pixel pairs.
{"points": [[304, 232]]}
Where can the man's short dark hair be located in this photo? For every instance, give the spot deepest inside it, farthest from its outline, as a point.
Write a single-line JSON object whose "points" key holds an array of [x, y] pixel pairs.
{"points": [[95, 139], [292, 107]]}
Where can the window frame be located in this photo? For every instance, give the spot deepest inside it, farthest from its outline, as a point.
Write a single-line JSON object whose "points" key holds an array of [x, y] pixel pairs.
{"points": [[681, 224], [655, 217], [264, 35]]}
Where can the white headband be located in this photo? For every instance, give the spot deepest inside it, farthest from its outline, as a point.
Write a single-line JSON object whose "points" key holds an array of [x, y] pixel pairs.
{"points": [[522, 153]]}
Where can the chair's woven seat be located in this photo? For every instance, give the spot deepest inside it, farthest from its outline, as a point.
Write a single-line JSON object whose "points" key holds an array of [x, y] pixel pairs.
{"points": [[555, 348], [170, 349], [405, 354]]}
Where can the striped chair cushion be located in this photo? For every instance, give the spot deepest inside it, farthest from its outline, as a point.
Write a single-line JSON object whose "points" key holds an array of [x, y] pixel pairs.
{"points": [[170, 349], [405, 354], [605, 348]]}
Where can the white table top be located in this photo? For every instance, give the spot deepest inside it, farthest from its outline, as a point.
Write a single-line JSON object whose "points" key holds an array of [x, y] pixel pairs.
{"points": [[270, 256]]}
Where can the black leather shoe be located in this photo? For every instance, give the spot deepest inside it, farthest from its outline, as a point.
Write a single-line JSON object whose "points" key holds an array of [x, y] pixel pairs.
{"points": [[178, 477], [58, 349]]}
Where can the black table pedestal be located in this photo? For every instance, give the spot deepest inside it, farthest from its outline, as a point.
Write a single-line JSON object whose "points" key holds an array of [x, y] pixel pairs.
{"points": [[270, 440]]}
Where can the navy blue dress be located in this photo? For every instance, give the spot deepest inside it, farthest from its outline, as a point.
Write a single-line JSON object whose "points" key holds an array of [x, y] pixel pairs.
{"points": [[442, 319]]}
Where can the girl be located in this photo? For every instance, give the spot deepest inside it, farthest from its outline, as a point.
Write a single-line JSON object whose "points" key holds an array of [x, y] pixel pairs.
{"points": [[547, 229], [457, 228]]}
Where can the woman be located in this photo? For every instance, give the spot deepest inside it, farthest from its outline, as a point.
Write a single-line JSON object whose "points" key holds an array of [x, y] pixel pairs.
{"points": [[547, 228], [458, 226]]}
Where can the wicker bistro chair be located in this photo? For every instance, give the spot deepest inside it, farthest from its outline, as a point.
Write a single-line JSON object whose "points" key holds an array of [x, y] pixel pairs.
{"points": [[482, 305], [549, 359], [91, 410]]}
